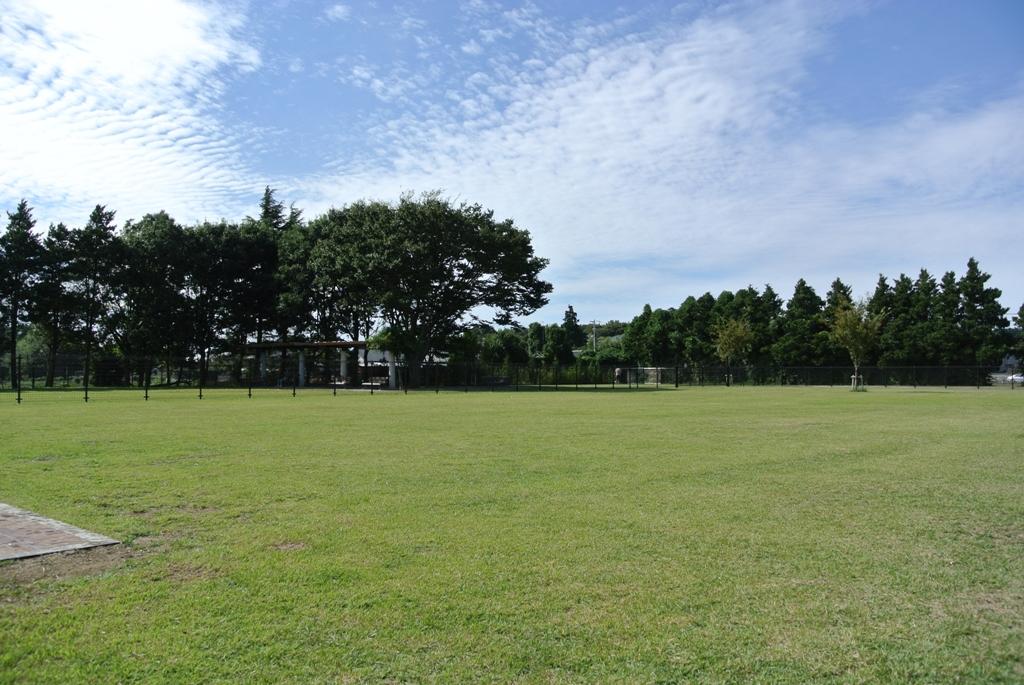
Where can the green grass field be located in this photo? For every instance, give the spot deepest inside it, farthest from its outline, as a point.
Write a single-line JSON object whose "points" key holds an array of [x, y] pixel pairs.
{"points": [[768, 535]]}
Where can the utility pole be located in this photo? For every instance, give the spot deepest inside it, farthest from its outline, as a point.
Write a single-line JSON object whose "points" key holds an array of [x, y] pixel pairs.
{"points": [[593, 331]]}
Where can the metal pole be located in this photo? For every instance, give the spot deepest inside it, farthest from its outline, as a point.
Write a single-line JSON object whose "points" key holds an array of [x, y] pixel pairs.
{"points": [[577, 375], [147, 371], [17, 382], [677, 376], [556, 375]]}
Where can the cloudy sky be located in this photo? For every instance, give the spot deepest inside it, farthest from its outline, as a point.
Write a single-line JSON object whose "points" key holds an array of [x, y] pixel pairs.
{"points": [[653, 150]]}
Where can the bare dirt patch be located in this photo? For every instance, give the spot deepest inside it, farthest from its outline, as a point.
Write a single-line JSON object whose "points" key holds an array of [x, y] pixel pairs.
{"points": [[63, 565], [21, 574]]}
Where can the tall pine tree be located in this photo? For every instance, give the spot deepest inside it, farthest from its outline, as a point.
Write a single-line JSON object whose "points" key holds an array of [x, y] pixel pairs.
{"points": [[984, 319], [21, 252]]}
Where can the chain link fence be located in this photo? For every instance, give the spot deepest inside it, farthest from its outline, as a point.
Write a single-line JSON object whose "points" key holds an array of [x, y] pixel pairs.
{"points": [[337, 371]]}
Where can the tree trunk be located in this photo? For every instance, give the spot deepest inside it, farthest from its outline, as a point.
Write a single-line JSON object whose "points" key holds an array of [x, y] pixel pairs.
{"points": [[51, 360], [15, 381]]}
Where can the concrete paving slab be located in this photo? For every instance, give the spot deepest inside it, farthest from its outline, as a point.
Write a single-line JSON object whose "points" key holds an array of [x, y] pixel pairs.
{"points": [[25, 534]]}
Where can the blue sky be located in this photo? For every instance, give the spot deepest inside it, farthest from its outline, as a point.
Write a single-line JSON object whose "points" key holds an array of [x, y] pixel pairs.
{"points": [[653, 150]]}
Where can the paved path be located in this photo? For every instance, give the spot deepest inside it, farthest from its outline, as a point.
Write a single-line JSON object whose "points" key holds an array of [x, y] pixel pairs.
{"points": [[24, 534]]}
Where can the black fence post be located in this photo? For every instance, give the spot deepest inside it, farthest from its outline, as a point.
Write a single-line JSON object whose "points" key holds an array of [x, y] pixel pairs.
{"points": [[677, 376], [577, 375], [977, 377], [17, 379], [556, 375], [85, 378], [945, 377], [148, 371], [517, 377]]}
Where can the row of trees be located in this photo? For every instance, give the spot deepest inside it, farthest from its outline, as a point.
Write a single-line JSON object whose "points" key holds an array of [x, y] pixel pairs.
{"points": [[923, 321], [905, 322], [414, 272]]}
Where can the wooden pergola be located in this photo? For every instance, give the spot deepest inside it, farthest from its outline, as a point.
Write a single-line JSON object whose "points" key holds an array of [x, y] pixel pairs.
{"points": [[302, 345], [308, 345]]}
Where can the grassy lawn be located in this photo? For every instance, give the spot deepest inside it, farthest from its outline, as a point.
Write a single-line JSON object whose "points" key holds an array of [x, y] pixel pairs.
{"points": [[705, 535]]}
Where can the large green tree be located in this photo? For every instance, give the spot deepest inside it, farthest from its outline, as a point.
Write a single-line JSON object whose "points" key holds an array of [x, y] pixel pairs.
{"points": [[558, 346], [22, 252], [984, 323], [838, 298], [54, 307], [436, 267], [571, 324], [149, 317], [694, 337], [800, 328]]}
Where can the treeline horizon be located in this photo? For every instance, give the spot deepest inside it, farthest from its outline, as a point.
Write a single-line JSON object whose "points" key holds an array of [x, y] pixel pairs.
{"points": [[410, 276], [922, 321]]}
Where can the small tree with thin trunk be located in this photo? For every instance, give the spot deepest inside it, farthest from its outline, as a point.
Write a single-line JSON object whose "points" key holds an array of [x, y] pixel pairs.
{"points": [[856, 330], [733, 340]]}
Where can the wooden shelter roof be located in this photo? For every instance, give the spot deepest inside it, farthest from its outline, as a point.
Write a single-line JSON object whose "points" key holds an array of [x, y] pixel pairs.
{"points": [[307, 345]]}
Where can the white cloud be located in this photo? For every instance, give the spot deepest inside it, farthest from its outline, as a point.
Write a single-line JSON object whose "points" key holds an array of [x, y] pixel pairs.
{"points": [[112, 105], [472, 48], [681, 151], [338, 12]]}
